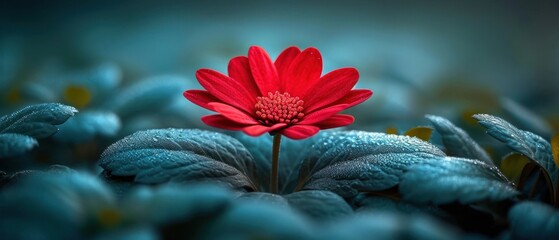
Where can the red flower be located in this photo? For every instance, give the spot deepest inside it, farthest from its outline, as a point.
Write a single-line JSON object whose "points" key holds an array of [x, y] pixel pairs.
{"points": [[287, 96]]}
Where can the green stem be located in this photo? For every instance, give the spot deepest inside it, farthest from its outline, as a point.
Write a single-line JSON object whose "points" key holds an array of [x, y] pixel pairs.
{"points": [[275, 163]]}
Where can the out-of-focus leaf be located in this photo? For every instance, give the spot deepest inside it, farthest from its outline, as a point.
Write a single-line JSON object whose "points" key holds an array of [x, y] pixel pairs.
{"points": [[87, 125], [136, 233], [12, 144], [258, 220], [180, 155], [37, 121], [292, 153], [423, 133], [175, 203], [146, 96], [367, 202], [353, 161], [387, 225], [512, 165], [319, 205], [56, 205], [525, 118], [533, 220], [527, 143], [270, 198], [449, 179], [457, 142], [555, 149]]}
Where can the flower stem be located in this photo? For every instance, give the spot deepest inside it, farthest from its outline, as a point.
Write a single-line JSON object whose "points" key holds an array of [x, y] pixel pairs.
{"points": [[275, 163]]}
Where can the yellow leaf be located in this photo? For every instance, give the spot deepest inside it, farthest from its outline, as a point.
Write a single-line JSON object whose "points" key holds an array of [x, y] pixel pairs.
{"points": [[423, 133], [512, 166], [391, 130], [109, 217], [555, 148], [77, 96], [14, 95]]}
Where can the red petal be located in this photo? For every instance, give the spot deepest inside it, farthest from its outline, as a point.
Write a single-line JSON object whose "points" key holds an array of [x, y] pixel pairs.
{"points": [[331, 87], [219, 121], [338, 120], [283, 62], [300, 131], [322, 114], [355, 97], [226, 89], [257, 130], [239, 70], [232, 113], [200, 98], [263, 70], [304, 72]]}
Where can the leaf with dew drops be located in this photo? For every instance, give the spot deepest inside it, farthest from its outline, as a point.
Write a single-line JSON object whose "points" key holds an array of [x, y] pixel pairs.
{"points": [[448, 179], [527, 143], [347, 162], [180, 155], [457, 142], [38, 121]]}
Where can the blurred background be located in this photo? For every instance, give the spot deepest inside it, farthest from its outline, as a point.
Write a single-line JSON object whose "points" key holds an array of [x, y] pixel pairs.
{"points": [[419, 57]]}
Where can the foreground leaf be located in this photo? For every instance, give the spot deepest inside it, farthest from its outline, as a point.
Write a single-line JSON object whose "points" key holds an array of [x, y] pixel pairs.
{"points": [[56, 205], [258, 220], [457, 142], [12, 144], [180, 155], [387, 225], [451, 179], [37, 121], [533, 220], [319, 205]]}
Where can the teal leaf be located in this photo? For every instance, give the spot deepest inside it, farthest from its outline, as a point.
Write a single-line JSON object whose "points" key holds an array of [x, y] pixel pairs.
{"points": [[270, 198], [457, 142], [173, 203], [353, 161], [180, 155], [366, 202], [387, 225], [56, 204], [527, 143], [12, 144], [533, 220], [319, 205], [38, 121], [146, 96], [87, 125], [292, 154], [448, 179], [258, 220]]}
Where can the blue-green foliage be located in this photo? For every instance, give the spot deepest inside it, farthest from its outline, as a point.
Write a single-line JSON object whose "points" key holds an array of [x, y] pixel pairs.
{"points": [[524, 142], [19, 129]]}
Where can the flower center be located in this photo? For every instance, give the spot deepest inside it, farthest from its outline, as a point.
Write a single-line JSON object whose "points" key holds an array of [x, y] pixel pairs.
{"points": [[279, 108]]}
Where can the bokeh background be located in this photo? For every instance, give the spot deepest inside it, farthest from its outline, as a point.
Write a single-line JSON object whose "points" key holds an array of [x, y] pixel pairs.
{"points": [[419, 57]]}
